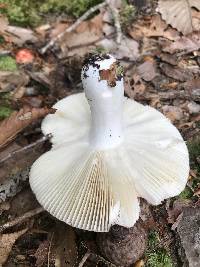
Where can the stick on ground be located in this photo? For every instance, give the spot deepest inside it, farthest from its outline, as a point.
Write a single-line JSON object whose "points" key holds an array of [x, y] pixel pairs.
{"points": [[10, 155], [116, 17], [20, 219], [73, 26]]}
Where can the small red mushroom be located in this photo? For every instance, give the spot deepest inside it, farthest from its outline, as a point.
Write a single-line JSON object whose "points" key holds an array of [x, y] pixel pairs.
{"points": [[24, 56]]}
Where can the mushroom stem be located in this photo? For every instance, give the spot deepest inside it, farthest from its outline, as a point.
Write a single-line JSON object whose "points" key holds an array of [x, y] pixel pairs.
{"points": [[104, 92]]}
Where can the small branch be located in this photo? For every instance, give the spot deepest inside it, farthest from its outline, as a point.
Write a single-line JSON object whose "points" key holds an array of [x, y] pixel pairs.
{"points": [[84, 259], [73, 26], [116, 17], [20, 219], [49, 250], [39, 141], [99, 258]]}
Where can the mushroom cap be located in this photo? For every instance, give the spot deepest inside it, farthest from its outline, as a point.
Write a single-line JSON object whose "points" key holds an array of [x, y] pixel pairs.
{"points": [[93, 190]]}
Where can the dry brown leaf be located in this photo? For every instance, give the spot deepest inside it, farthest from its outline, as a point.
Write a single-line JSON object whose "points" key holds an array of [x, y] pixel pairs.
{"points": [[19, 120], [153, 27], [179, 14], [176, 72], [6, 243], [173, 113], [177, 208], [147, 70], [127, 49], [19, 35], [187, 44], [12, 80], [80, 41]]}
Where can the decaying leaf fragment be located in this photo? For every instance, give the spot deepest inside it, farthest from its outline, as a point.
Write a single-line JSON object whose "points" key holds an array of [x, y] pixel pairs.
{"points": [[111, 75], [179, 13], [185, 44], [6, 243], [19, 120]]}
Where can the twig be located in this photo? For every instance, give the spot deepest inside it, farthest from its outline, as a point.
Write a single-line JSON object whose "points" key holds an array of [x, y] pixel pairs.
{"points": [[116, 17], [5, 53], [39, 141], [86, 256], [20, 219], [49, 250], [99, 258], [73, 26]]}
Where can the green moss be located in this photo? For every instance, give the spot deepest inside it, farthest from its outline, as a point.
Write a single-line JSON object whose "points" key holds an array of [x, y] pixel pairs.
{"points": [[30, 13], [153, 239], [186, 193], [194, 152], [156, 256], [75, 7], [100, 50], [5, 112], [159, 258], [1, 39], [127, 15], [7, 63]]}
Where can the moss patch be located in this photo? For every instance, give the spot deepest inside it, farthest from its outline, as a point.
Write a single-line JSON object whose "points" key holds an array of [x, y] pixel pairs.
{"points": [[156, 256], [159, 258], [186, 193], [30, 13], [5, 112], [7, 63], [127, 15]]}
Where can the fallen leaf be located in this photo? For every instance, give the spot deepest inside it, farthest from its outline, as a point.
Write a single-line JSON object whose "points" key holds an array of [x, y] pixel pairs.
{"points": [[173, 113], [109, 75], [153, 27], [127, 49], [19, 120], [134, 88], [176, 72], [20, 36], [193, 88], [179, 14], [6, 243], [171, 59], [184, 44], [10, 81], [193, 108], [176, 209], [147, 70], [83, 39]]}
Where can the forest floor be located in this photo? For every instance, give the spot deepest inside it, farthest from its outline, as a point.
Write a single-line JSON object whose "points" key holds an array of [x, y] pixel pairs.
{"points": [[40, 64]]}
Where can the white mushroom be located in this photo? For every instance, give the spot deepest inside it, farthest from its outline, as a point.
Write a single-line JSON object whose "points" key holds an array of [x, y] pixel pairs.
{"points": [[107, 151]]}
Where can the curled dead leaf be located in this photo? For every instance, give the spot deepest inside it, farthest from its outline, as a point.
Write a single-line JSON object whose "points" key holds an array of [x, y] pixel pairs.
{"points": [[147, 70], [185, 44], [179, 14], [19, 120]]}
